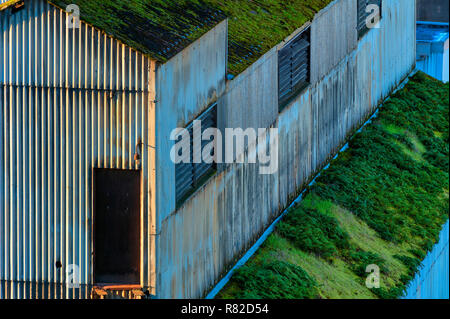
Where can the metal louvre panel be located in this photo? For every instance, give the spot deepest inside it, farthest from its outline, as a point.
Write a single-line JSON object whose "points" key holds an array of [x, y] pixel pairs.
{"points": [[293, 67], [189, 175], [362, 4], [209, 119]]}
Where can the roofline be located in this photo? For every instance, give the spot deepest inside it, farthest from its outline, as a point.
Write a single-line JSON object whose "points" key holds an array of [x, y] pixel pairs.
{"points": [[144, 54], [104, 32]]}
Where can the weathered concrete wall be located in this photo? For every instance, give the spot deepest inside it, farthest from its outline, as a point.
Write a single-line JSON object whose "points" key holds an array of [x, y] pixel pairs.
{"points": [[315, 124], [333, 32], [432, 280], [251, 99], [200, 240], [70, 100], [185, 86]]}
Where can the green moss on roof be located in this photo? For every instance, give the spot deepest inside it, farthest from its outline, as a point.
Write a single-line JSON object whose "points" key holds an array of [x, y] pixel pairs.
{"points": [[383, 201], [162, 28]]}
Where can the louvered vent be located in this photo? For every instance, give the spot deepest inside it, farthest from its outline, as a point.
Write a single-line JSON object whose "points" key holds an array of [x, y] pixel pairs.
{"points": [[293, 67], [189, 176]]}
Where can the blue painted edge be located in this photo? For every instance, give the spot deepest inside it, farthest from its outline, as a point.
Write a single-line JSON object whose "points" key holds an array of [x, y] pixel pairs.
{"points": [[433, 23], [271, 228]]}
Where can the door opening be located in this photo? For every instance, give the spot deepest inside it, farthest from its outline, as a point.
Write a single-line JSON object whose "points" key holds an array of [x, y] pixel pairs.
{"points": [[116, 227]]}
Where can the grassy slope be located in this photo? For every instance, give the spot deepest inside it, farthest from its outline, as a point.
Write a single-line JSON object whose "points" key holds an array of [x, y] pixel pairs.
{"points": [[160, 28], [383, 201]]}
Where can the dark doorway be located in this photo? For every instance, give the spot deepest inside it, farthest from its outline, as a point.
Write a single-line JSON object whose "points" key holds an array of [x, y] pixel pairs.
{"points": [[116, 226]]}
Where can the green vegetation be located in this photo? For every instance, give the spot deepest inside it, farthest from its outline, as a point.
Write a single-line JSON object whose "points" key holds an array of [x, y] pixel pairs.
{"points": [[161, 28], [383, 201]]}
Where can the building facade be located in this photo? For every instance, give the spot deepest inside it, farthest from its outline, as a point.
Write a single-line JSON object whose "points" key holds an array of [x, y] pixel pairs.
{"points": [[80, 110]]}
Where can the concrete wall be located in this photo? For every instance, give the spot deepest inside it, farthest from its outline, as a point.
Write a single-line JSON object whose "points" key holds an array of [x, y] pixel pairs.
{"points": [[432, 280], [200, 240], [70, 100]]}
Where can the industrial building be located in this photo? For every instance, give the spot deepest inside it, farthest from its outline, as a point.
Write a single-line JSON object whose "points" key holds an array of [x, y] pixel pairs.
{"points": [[87, 106]]}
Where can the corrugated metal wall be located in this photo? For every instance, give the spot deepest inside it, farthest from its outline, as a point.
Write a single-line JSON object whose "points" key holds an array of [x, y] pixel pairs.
{"points": [[204, 237], [433, 59], [70, 100], [432, 280]]}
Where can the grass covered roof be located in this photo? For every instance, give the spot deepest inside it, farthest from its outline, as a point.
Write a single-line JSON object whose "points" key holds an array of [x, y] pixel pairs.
{"points": [[162, 28]]}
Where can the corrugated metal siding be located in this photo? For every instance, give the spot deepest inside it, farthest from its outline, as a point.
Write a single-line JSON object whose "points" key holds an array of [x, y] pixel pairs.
{"points": [[435, 62], [70, 100], [432, 280], [203, 238], [341, 15], [293, 67], [37, 49], [31, 290]]}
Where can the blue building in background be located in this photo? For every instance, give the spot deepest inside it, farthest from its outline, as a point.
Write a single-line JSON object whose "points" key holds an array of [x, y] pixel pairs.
{"points": [[432, 48], [432, 37]]}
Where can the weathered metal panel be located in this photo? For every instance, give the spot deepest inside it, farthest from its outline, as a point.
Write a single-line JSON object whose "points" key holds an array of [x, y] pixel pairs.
{"points": [[333, 36], [432, 280], [51, 140], [186, 86], [432, 49], [217, 223], [37, 48], [70, 100], [199, 241], [314, 126]]}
